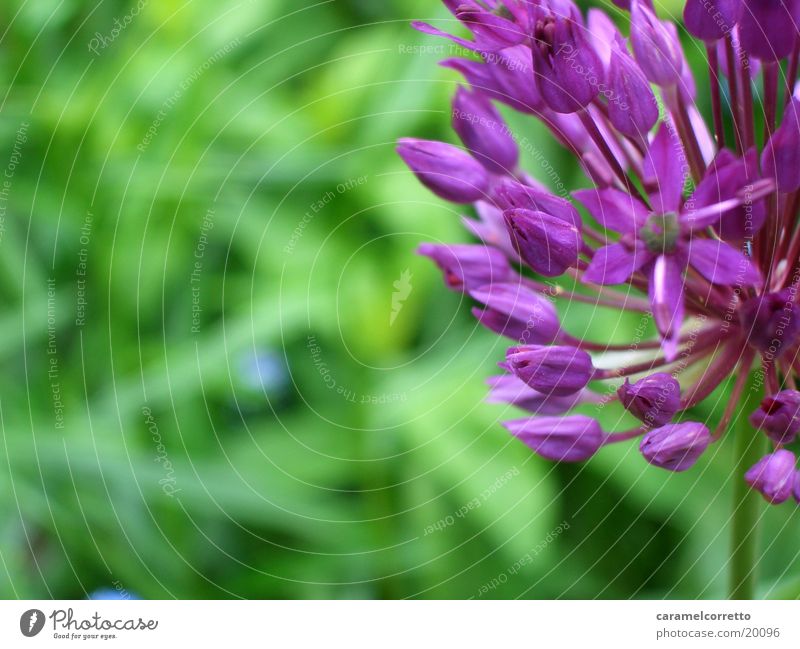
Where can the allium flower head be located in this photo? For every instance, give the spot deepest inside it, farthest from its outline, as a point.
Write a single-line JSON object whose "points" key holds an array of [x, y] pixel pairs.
{"points": [[690, 223]]}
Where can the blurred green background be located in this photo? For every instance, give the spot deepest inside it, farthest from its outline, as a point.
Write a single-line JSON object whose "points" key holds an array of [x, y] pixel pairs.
{"points": [[205, 392]]}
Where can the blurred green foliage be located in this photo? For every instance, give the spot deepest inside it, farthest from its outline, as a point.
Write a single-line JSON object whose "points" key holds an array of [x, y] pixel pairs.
{"points": [[241, 418]]}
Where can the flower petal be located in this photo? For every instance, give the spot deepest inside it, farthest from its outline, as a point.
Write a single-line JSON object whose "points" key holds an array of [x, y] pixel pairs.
{"points": [[720, 263], [425, 28], [614, 209], [492, 32], [728, 178], [665, 170], [781, 157], [614, 264], [666, 299]]}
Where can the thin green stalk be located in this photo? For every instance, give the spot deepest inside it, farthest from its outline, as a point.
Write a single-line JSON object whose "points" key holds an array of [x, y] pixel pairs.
{"points": [[746, 512]]}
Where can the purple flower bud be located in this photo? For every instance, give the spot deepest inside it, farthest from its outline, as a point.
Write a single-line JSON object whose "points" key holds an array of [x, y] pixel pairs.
{"points": [[654, 399], [446, 170], [483, 131], [796, 488], [781, 157], [771, 322], [508, 388], [626, 4], [518, 312], [492, 31], [510, 195], [504, 76], [632, 107], [491, 228], [467, 267], [603, 33], [675, 446], [774, 476], [779, 416], [568, 70], [551, 370], [710, 20], [768, 28], [657, 50], [548, 244], [562, 439]]}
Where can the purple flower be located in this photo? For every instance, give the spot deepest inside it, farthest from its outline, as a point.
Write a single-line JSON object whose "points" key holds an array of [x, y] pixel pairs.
{"points": [[654, 399], [483, 131], [771, 322], [504, 76], [781, 157], [729, 180], [492, 31], [779, 416], [675, 446], [768, 28], [558, 370], [632, 107], [773, 475], [603, 33], [490, 227], [510, 195], [710, 20], [656, 48], [446, 170], [796, 488], [568, 70], [518, 312], [660, 240], [547, 243], [566, 439], [468, 267], [695, 232], [508, 388]]}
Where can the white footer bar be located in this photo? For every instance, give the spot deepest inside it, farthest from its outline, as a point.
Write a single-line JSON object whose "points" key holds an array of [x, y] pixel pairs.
{"points": [[404, 624]]}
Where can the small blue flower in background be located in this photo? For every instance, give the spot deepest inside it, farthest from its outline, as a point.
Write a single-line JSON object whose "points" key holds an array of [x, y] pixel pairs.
{"points": [[263, 371], [112, 594]]}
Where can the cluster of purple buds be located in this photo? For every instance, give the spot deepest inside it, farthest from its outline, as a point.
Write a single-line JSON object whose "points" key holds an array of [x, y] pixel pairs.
{"points": [[693, 227]]}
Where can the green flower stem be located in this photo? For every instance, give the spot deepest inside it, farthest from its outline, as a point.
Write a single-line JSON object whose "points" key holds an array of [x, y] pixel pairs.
{"points": [[749, 447]]}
